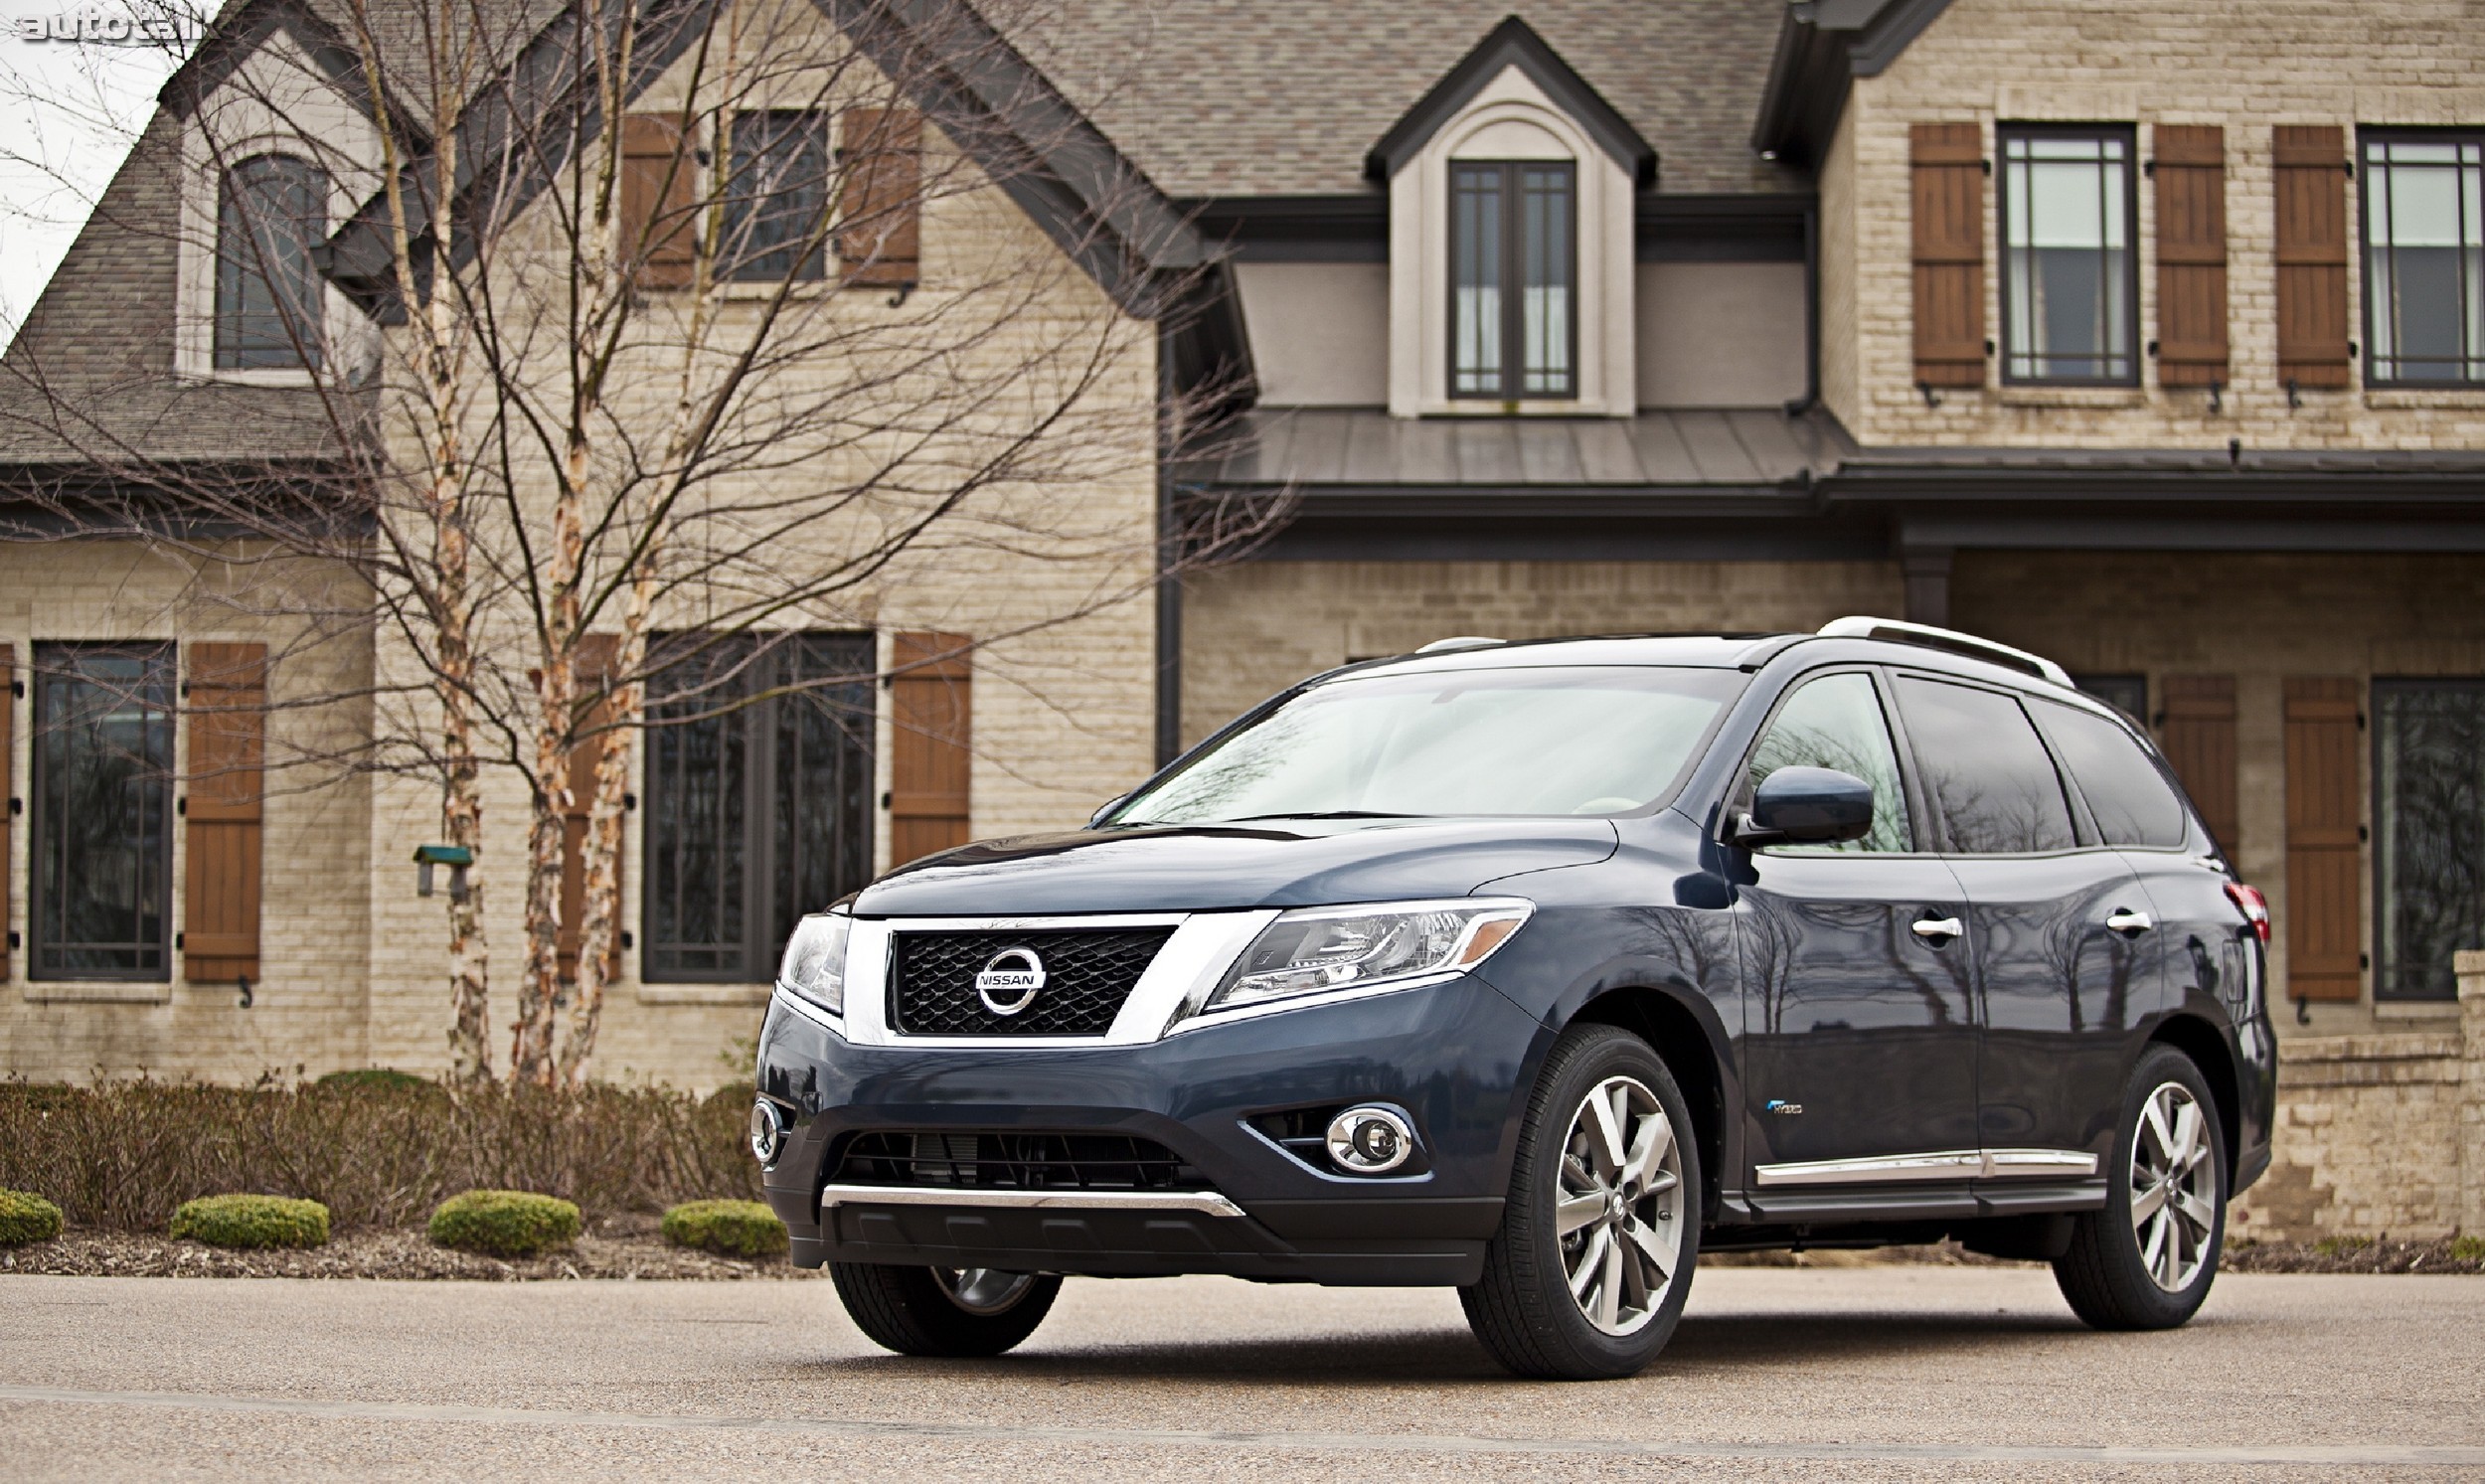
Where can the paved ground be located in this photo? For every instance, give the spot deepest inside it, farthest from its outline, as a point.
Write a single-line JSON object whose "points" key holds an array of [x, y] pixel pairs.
{"points": [[1872, 1372]]}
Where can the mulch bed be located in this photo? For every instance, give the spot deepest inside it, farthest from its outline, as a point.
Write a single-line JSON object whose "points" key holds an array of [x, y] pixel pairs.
{"points": [[2333, 1254], [621, 1249]]}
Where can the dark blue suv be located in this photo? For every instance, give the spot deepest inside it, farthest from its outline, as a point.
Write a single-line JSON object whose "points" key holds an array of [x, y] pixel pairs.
{"points": [[1537, 969]]}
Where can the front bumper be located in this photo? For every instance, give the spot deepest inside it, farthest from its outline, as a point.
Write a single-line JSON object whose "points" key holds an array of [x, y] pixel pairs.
{"points": [[1449, 1053]]}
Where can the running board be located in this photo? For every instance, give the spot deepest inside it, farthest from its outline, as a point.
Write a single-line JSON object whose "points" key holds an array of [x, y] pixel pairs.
{"points": [[1952, 1164], [1204, 1202]]}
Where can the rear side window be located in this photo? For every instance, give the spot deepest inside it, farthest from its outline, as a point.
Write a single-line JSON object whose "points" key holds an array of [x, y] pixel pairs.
{"points": [[1985, 770], [2128, 796]]}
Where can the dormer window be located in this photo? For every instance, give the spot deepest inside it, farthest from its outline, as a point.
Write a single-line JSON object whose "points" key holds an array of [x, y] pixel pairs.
{"points": [[1513, 269], [273, 209]]}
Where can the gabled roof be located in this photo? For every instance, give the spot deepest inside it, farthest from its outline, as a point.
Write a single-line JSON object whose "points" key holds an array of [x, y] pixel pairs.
{"points": [[1823, 46], [1513, 44]]}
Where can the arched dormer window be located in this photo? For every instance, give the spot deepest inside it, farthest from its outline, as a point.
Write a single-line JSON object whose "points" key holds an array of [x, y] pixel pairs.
{"points": [[1514, 267], [272, 211]]}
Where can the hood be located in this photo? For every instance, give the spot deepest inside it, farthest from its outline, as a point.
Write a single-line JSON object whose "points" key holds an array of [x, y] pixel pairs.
{"points": [[1203, 868]]}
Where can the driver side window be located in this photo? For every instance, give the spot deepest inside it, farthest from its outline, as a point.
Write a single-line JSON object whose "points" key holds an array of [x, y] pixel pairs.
{"points": [[1836, 721]]}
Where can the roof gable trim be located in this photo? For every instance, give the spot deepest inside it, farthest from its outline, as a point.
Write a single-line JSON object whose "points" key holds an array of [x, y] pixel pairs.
{"points": [[1513, 44], [1823, 46]]}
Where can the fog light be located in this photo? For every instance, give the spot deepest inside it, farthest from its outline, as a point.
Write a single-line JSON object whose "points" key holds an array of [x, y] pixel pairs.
{"points": [[768, 1131], [1370, 1141]]}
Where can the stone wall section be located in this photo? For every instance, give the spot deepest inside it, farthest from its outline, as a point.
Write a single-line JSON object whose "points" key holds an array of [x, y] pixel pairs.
{"points": [[2245, 66]]}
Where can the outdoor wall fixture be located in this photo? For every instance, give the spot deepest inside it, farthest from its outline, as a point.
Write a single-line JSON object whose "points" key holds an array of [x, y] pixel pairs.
{"points": [[455, 857]]}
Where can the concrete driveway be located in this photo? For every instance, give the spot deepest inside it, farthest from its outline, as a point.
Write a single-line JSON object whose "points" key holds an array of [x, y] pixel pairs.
{"points": [[1872, 1372]]}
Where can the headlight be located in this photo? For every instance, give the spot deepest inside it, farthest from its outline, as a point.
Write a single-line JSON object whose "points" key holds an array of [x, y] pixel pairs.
{"points": [[1332, 949], [814, 966]]}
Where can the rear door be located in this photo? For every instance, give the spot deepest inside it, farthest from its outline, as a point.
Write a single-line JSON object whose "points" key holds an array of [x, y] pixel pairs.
{"points": [[1860, 1033], [2055, 918]]}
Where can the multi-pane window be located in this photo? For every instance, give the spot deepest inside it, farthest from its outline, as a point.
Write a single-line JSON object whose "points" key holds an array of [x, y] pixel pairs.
{"points": [[2128, 694], [758, 797], [1513, 267], [273, 210], [2428, 848], [777, 197], [102, 816], [2424, 256], [2068, 285]]}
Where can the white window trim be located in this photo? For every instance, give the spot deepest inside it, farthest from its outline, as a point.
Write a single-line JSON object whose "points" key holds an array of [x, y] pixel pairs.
{"points": [[1419, 261]]}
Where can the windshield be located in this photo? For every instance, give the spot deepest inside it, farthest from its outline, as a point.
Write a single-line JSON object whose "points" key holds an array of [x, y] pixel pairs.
{"points": [[1602, 740]]}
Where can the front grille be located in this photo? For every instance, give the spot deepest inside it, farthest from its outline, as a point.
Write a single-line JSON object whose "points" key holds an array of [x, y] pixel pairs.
{"points": [[1087, 975], [1013, 1161]]}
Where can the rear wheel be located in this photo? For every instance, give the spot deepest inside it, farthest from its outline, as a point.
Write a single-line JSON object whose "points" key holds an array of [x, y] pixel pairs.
{"points": [[944, 1311], [1587, 1279], [2146, 1260]]}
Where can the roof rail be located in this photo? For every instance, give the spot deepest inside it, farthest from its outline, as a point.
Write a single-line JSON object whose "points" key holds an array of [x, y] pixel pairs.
{"points": [[1462, 641], [1899, 633]]}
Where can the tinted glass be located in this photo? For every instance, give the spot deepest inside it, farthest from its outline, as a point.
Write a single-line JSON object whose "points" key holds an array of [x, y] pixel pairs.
{"points": [[1836, 721], [2130, 798], [1569, 741], [2428, 773], [103, 763], [1984, 769]]}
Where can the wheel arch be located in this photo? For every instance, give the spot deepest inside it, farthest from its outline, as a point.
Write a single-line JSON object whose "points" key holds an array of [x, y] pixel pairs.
{"points": [[2206, 1046], [1689, 1044]]}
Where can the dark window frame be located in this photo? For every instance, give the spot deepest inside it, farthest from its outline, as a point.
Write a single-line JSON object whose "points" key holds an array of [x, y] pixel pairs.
{"points": [[771, 265], [1512, 390], [760, 935], [2383, 970], [2004, 134], [236, 342], [53, 664], [2368, 251]]}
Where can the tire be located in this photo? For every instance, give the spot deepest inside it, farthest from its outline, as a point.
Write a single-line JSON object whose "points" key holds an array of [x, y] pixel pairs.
{"points": [[1524, 1308], [936, 1311], [2154, 1271]]}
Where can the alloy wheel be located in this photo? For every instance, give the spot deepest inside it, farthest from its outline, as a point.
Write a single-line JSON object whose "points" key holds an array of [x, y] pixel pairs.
{"points": [[2173, 1187], [1617, 1204], [983, 1290]]}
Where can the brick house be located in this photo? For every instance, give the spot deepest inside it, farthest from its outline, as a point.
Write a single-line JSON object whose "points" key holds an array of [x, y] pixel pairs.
{"points": [[2147, 336]]}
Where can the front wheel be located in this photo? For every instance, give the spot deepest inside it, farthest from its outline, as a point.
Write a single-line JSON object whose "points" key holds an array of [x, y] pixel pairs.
{"points": [[1586, 1277], [944, 1311], [2146, 1260]]}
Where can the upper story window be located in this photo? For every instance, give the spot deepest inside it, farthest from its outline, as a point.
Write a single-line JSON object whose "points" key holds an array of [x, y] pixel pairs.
{"points": [[776, 199], [1513, 269], [102, 874], [272, 211], [2070, 284], [2424, 256]]}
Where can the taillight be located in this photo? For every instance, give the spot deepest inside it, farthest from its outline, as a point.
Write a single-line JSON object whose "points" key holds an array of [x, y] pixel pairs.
{"points": [[2254, 906]]}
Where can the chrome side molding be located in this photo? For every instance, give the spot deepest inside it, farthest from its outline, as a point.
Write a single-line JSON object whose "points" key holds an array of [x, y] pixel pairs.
{"points": [[1204, 1202], [1948, 1164]]}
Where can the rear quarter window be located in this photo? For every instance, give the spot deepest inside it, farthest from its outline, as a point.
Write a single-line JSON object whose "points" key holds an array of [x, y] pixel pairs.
{"points": [[2132, 802]]}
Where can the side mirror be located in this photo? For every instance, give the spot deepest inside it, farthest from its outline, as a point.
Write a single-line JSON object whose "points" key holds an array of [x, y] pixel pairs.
{"points": [[1807, 806]]}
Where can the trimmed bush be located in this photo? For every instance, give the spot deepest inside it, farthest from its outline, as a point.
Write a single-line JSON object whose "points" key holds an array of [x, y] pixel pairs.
{"points": [[253, 1222], [505, 1223], [387, 1078], [26, 1216], [734, 1228]]}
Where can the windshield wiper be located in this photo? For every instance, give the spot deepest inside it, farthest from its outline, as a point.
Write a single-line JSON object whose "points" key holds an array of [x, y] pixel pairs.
{"points": [[1329, 814]]}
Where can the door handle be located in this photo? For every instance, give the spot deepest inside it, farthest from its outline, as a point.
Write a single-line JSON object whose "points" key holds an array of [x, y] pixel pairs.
{"points": [[1938, 931], [2122, 919]]}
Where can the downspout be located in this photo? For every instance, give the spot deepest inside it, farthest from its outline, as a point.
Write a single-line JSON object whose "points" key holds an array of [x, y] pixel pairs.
{"points": [[1168, 584], [1811, 309]]}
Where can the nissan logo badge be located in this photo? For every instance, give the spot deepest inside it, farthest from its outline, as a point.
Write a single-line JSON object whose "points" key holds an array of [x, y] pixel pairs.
{"points": [[1009, 980]]}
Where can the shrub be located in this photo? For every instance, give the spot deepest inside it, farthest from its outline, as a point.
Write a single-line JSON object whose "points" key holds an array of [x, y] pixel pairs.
{"points": [[26, 1216], [505, 1223], [736, 1228], [2340, 1247], [253, 1222], [2468, 1248], [387, 1078]]}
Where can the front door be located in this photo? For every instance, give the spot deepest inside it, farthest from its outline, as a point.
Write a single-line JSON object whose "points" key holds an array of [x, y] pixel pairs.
{"points": [[1860, 1033]]}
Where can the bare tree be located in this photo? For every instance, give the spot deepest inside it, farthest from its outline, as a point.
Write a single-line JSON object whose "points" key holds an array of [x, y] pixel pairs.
{"points": [[643, 374]]}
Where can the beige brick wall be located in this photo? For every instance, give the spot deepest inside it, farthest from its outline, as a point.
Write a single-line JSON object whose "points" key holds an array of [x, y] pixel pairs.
{"points": [[2247, 67]]}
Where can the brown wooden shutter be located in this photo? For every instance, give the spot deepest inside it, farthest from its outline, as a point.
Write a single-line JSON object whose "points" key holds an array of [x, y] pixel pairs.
{"points": [[593, 662], [2191, 177], [2195, 729], [8, 791], [2324, 871], [1950, 218], [930, 705], [2311, 162], [659, 195], [880, 206], [228, 699]]}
